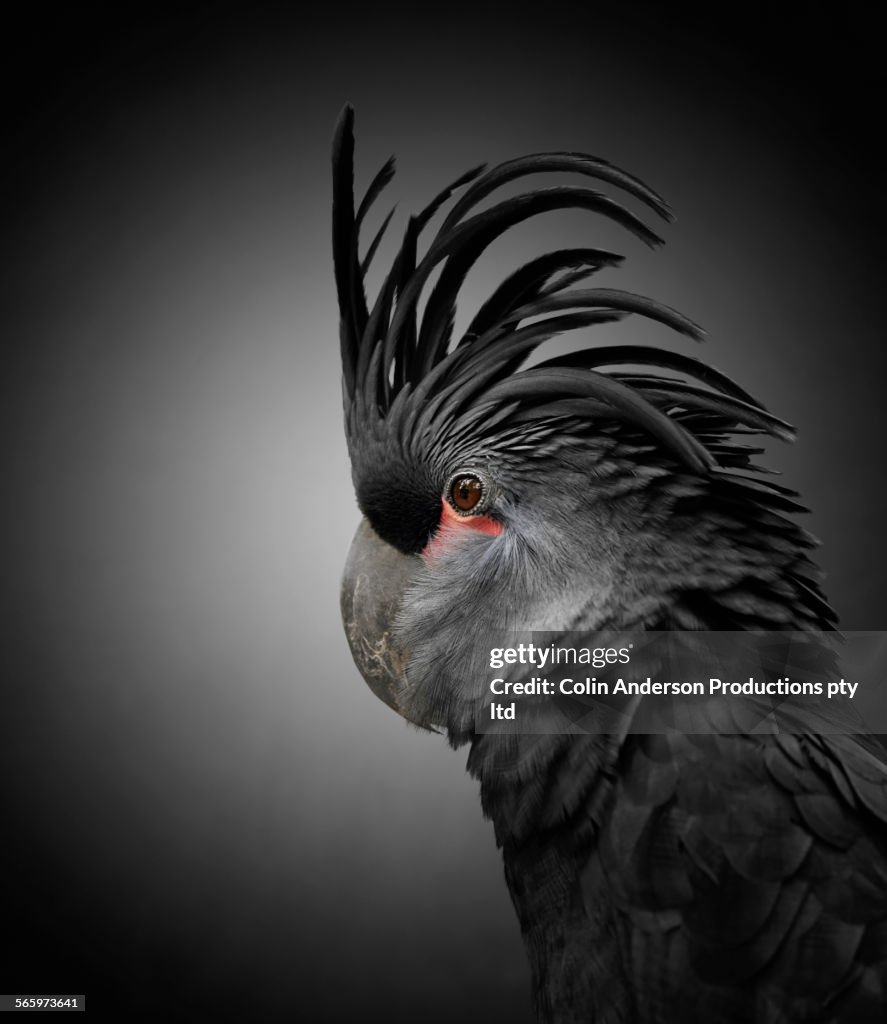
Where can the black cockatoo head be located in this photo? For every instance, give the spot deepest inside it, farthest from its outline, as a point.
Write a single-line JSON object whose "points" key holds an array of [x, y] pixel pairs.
{"points": [[601, 489]]}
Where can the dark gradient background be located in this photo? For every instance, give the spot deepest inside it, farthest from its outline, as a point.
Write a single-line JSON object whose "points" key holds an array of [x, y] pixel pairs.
{"points": [[203, 805]]}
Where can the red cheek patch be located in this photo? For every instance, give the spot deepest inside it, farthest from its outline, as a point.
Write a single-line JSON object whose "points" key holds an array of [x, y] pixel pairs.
{"points": [[452, 525]]}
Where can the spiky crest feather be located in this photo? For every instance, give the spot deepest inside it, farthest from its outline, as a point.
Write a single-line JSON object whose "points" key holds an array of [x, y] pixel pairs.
{"points": [[406, 371]]}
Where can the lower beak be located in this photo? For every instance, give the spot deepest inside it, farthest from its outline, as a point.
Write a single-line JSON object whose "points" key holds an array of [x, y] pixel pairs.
{"points": [[375, 580]]}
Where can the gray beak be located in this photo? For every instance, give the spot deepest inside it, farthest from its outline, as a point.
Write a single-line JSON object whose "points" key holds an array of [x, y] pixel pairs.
{"points": [[375, 579]]}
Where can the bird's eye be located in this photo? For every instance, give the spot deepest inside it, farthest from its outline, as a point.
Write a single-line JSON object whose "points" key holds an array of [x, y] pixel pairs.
{"points": [[466, 492]]}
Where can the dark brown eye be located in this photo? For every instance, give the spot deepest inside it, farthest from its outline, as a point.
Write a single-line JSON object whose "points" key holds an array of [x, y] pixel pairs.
{"points": [[466, 492]]}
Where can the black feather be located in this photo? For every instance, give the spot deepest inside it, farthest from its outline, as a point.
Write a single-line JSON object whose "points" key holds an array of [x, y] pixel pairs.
{"points": [[616, 355], [374, 245], [382, 178], [526, 283], [344, 237], [575, 163]]}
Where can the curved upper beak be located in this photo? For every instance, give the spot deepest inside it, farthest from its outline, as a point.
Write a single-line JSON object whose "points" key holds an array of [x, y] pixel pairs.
{"points": [[375, 579]]}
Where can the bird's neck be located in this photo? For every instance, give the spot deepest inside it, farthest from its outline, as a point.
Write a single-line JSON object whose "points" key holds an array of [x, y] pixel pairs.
{"points": [[547, 798]]}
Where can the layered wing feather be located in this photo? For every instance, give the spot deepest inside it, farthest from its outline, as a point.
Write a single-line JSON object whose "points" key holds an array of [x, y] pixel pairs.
{"points": [[750, 877]]}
